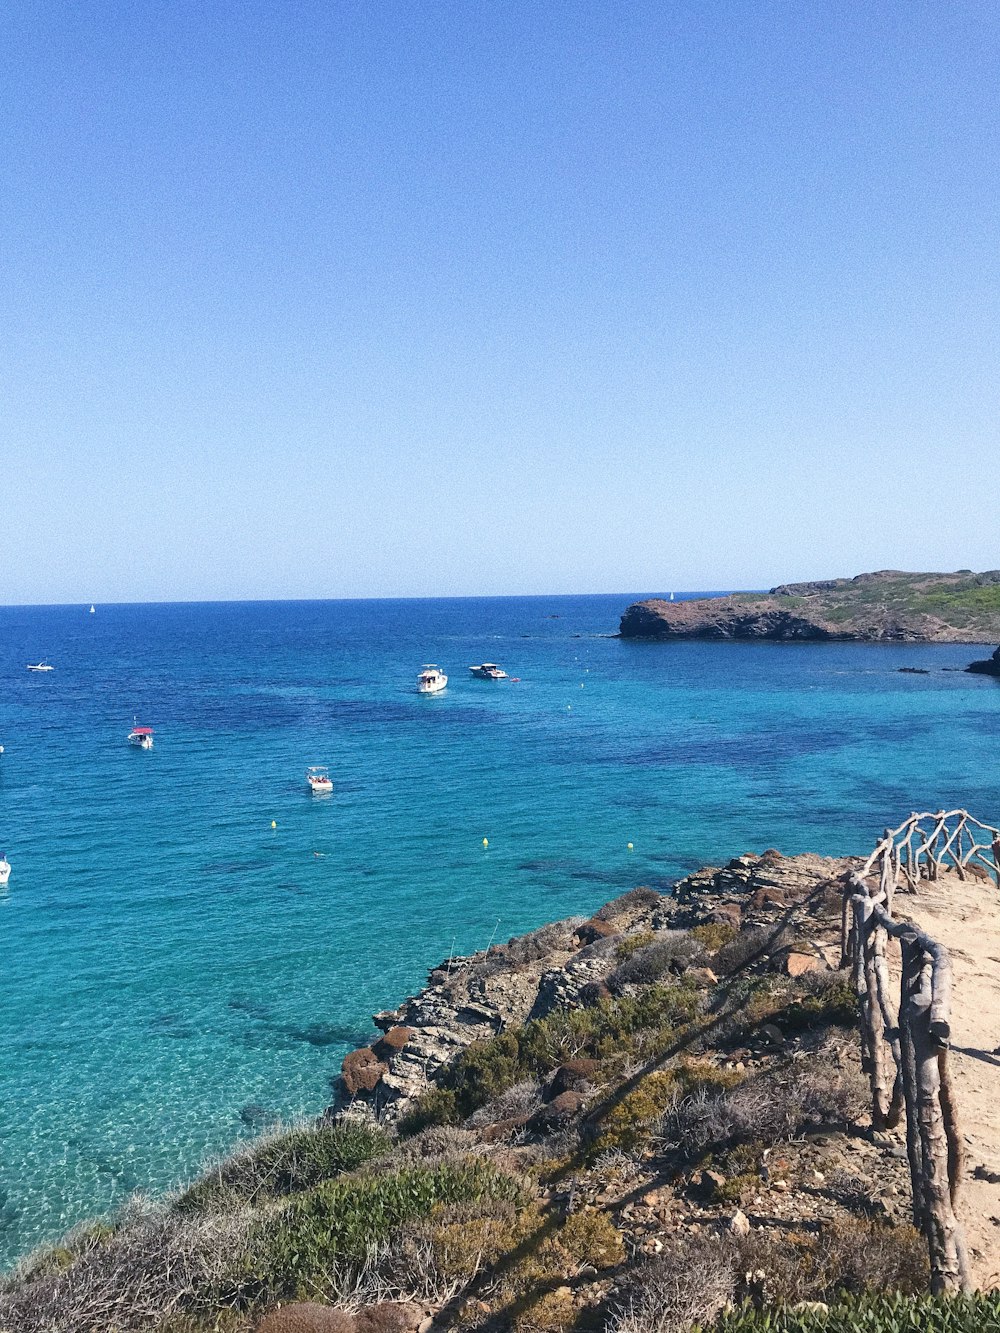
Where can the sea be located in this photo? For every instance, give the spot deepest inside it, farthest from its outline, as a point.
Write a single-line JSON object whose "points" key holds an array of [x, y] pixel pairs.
{"points": [[190, 941]]}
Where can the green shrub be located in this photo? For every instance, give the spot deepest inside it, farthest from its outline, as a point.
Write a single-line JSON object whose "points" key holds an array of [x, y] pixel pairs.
{"points": [[640, 1025], [433, 1108], [284, 1163], [592, 1238], [295, 1250], [878, 1314], [714, 935], [835, 1002], [630, 1120], [632, 943]]}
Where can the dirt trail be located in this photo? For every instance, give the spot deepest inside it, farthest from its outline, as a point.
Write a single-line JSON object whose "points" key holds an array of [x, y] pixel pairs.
{"points": [[965, 918]]}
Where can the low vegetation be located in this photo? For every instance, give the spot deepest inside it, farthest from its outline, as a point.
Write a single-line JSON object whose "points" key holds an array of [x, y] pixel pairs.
{"points": [[877, 1314], [639, 1027], [585, 1170]]}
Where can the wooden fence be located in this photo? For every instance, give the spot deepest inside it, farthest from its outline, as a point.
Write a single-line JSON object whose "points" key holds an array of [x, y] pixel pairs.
{"points": [[906, 1029]]}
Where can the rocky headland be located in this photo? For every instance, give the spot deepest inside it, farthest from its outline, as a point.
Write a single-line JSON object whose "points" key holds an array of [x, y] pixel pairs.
{"points": [[885, 606], [990, 666], [650, 1120]]}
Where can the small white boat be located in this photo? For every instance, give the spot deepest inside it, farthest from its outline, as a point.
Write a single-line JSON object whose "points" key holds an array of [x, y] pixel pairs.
{"points": [[4, 869], [488, 671], [318, 777], [141, 738], [431, 680], [40, 666], [93, 608]]}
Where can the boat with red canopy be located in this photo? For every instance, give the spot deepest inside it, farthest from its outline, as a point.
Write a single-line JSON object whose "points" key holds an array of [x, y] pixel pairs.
{"points": [[141, 738]]}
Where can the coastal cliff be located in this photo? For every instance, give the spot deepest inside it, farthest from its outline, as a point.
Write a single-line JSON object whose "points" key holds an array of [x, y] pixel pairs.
{"points": [[633, 1122], [885, 606]]}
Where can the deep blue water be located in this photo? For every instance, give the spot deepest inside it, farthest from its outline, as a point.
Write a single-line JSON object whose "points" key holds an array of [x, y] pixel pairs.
{"points": [[169, 960]]}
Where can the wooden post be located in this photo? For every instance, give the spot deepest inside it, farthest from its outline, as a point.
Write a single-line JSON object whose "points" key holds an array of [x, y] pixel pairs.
{"points": [[890, 1022], [944, 1241], [908, 1074], [872, 1017]]}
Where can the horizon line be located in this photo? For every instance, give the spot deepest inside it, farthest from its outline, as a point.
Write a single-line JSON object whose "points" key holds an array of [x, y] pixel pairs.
{"points": [[437, 597]]}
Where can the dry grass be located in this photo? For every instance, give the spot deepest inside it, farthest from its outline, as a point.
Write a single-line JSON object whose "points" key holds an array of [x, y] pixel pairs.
{"points": [[768, 1108], [690, 1283], [148, 1269], [670, 951]]}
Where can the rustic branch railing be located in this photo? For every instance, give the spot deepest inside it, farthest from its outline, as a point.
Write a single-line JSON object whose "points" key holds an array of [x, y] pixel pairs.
{"points": [[904, 1042]]}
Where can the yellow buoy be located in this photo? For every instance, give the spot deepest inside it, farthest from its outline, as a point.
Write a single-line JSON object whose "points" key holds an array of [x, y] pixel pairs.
{"points": [[274, 823], [486, 842], [629, 846]]}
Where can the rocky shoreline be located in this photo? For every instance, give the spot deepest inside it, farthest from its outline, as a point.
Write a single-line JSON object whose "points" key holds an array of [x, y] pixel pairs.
{"points": [[887, 606], [563, 964], [634, 1122]]}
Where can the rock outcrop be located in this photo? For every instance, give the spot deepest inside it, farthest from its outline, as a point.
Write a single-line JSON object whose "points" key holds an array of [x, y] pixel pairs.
{"points": [[887, 606], [561, 966], [989, 667]]}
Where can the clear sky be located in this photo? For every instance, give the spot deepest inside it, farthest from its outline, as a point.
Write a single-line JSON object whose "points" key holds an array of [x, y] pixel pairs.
{"points": [[412, 297]]}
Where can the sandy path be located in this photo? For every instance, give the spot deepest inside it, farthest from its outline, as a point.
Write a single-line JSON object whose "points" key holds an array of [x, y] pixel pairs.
{"points": [[965, 917]]}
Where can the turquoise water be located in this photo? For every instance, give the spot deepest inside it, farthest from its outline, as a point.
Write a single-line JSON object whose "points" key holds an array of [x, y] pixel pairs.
{"points": [[173, 970]]}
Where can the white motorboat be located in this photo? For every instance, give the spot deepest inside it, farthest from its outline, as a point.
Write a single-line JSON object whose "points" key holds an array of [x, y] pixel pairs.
{"points": [[4, 869], [488, 671], [318, 778], [431, 680], [141, 738], [40, 666]]}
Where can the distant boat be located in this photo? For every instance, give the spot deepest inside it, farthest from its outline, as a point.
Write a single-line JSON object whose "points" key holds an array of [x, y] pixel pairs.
{"points": [[4, 869], [431, 680], [141, 738], [92, 608], [671, 598], [318, 777], [488, 671], [40, 666]]}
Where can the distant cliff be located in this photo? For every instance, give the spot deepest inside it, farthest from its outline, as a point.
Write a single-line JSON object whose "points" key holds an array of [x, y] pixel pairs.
{"points": [[886, 606]]}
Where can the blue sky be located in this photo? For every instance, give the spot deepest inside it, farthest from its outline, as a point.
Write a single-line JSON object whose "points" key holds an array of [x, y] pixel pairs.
{"points": [[416, 297]]}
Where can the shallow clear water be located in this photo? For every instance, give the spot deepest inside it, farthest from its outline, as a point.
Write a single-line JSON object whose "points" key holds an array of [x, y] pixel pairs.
{"points": [[167, 960]]}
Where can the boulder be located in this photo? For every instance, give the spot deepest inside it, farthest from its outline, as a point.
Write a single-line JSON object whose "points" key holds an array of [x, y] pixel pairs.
{"points": [[727, 914], [988, 667], [796, 964], [361, 1071], [766, 898]]}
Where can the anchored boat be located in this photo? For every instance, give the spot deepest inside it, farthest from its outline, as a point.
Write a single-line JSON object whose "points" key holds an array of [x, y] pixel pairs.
{"points": [[141, 738], [431, 680], [318, 778], [488, 671], [4, 869]]}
